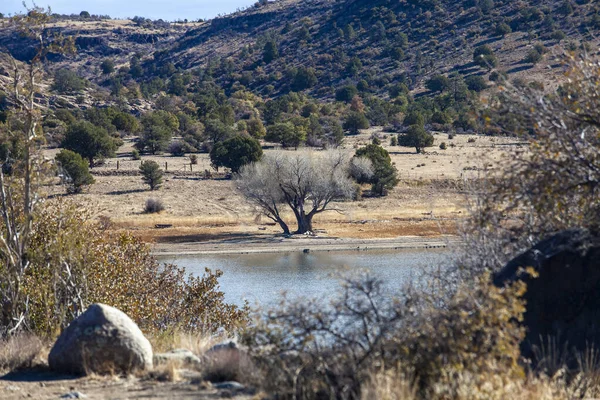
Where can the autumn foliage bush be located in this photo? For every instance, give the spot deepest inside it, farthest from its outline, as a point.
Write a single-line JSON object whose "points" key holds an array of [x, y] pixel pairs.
{"points": [[74, 263]]}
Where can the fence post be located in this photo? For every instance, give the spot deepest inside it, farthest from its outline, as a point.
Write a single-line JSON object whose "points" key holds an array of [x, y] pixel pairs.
{"points": [[117, 165], [166, 166], [191, 167]]}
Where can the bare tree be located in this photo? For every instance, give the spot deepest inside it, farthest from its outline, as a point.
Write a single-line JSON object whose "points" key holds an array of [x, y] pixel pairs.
{"points": [[305, 182], [18, 191], [550, 183]]}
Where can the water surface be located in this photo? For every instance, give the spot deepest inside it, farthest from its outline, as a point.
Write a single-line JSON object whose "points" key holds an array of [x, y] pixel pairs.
{"points": [[261, 278]]}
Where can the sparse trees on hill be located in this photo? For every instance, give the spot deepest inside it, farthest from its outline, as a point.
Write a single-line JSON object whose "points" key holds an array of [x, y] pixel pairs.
{"points": [[304, 182], [89, 141], [151, 174]]}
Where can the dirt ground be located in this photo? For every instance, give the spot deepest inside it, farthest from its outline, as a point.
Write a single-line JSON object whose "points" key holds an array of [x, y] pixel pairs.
{"points": [[430, 200], [42, 385]]}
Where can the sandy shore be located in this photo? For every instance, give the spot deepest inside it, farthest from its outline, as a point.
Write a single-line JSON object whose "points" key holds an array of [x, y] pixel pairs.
{"points": [[280, 244]]}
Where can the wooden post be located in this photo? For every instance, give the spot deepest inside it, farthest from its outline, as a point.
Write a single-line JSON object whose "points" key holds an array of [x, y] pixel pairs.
{"points": [[166, 166], [117, 165], [191, 168]]}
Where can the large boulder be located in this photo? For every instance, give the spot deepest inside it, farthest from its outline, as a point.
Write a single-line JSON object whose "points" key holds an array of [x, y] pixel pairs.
{"points": [[563, 302], [102, 340]]}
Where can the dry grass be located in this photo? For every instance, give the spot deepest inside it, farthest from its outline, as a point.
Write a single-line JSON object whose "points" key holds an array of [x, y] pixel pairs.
{"points": [[427, 202], [20, 351]]}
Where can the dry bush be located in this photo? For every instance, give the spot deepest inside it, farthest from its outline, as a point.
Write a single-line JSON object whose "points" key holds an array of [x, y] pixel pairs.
{"points": [[20, 351], [225, 365], [551, 184], [74, 263], [153, 206], [312, 349]]}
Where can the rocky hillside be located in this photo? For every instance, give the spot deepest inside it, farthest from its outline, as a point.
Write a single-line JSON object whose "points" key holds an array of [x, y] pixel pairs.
{"points": [[319, 45]]}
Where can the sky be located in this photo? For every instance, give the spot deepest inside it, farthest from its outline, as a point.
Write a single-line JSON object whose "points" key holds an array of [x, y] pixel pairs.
{"points": [[154, 9]]}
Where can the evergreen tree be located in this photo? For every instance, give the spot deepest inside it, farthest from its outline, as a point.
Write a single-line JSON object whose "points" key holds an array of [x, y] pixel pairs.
{"points": [[151, 174], [76, 170]]}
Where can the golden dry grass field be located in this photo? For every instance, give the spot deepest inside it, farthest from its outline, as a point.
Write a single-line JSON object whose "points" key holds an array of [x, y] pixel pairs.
{"points": [[429, 201]]}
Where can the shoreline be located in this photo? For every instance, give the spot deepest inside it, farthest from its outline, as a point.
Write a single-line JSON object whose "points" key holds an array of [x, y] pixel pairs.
{"points": [[275, 244]]}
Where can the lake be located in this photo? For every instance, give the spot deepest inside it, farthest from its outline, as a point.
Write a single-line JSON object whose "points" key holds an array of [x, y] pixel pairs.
{"points": [[261, 278]]}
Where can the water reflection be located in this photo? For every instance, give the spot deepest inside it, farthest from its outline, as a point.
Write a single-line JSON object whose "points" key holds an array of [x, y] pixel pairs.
{"points": [[261, 278]]}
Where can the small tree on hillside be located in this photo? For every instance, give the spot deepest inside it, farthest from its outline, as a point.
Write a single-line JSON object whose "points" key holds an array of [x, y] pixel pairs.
{"points": [[305, 182], [270, 51], [384, 176], [484, 57], [438, 83], [75, 169], [151, 174], [236, 152], [89, 141], [107, 66]]}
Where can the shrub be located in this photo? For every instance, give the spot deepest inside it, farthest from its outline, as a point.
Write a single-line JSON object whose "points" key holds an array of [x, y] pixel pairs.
{"points": [[89, 141], [346, 93], [20, 351], [394, 141], [476, 83], [484, 57], [153, 206], [438, 83], [66, 81], [76, 170], [236, 152], [135, 155], [533, 56], [443, 146], [502, 29], [368, 328], [193, 159], [355, 121], [384, 176], [74, 264], [178, 148], [107, 66], [416, 137], [151, 174]]}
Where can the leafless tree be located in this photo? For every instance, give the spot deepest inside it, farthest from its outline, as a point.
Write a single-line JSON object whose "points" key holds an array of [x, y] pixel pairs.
{"points": [[18, 191], [306, 182], [553, 182]]}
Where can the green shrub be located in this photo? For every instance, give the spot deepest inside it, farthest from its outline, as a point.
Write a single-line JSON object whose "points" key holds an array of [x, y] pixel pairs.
{"points": [[416, 137], [443, 146], [66, 82], [135, 155], [385, 175], [151, 174], [236, 152], [76, 170]]}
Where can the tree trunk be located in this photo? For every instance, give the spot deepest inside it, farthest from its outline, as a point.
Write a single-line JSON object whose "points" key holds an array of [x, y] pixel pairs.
{"points": [[304, 223], [284, 226]]}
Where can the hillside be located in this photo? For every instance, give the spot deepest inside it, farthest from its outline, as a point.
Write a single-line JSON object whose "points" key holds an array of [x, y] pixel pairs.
{"points": [[325, 44]]}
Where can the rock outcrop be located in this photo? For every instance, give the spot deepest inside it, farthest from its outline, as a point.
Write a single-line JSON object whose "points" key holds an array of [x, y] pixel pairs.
{"points": [[102, 340], [563, 302]]}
